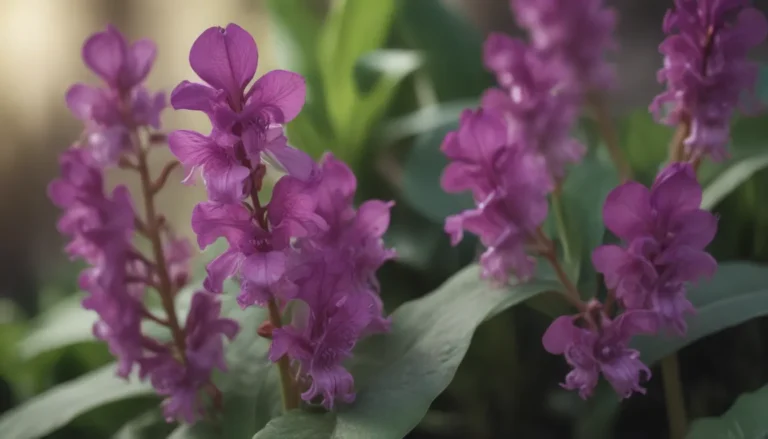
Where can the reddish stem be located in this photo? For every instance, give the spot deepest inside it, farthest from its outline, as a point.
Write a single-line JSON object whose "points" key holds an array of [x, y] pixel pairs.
{"points": [[571, 291]]}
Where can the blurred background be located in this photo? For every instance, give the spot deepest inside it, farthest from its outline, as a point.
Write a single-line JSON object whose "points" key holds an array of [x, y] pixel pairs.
{"points": [[385, 112]]}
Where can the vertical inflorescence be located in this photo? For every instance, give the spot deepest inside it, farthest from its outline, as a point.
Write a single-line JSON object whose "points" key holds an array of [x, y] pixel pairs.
{"points": [[121, 122], [307, 255]]}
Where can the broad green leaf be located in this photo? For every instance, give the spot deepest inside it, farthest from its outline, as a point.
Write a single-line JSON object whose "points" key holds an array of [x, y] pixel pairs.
{"points": [[149, 425], [584, 192], [399, 374], [64, 324], [47, 412], [421, 184], [451, 46], [352, 29], [746, 419], [297, 26], [737, 293]]}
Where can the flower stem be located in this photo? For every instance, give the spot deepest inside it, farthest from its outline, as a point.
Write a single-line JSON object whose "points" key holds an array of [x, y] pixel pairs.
{"points": [[610, 136], [153, 224], [562, 231], [287, 385], [673, 394], [548, 252], [677, 145]]}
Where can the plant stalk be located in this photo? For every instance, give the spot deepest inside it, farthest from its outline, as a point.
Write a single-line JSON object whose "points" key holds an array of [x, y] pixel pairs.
{"points": [[673, 394], [288, 388]]}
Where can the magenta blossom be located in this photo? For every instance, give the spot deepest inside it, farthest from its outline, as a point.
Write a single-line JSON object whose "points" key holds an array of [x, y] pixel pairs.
{"points": [[181, 383], [573, 37], [706, 69], [601, 348], [537, 110], [665, 232], [509, 184], [226, 60]]}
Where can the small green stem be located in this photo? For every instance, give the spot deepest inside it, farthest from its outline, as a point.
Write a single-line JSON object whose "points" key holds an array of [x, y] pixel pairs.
{"points": [[562, 231], [673, 394]]}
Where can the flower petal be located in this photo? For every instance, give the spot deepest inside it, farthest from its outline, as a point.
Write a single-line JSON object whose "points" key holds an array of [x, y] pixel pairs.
{"points": [[561, 333], [105, 53], [279, 90], [627, 210]]}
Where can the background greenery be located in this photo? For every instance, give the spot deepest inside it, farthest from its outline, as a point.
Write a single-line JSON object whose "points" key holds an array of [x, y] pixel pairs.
{"points": [[387, 79]]}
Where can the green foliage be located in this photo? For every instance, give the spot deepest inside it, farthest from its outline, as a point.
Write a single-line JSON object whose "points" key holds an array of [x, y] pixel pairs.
{"points": [[452, 48], [584, 192], [645, 142], [64, 324], [744, 420], [421, 180], [399, 374], [45, 413]]}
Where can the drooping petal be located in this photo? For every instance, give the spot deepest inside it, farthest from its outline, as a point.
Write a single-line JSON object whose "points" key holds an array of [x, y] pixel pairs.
{"points": [[560, 333], [226, 59], [192, 96], [82, 98], [191, 148], [220, 269], [211, 221]]}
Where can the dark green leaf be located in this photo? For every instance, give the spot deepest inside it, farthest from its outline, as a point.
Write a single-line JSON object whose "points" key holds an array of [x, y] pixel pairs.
{"points": [[736, 294], [399, 374], [584, 193], [646, 143], [47, 412], [421, 186], [451, 46], [731, 178], [744, 420], [425, 119]]}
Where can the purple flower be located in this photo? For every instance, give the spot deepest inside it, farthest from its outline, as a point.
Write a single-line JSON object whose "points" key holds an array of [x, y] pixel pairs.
{"points": [[509, 184], [537, 110], [181, 382], [601, 348], [226, 60], [665, 233], [257, 255], [120, 65], [706, 68], [111, 113], [572, 36]]}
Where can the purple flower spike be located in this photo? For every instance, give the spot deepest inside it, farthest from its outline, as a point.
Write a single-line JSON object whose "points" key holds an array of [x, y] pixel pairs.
{"points": [[602, 349], [665, 233], [573, 36], [706, 69], [509, 184]]}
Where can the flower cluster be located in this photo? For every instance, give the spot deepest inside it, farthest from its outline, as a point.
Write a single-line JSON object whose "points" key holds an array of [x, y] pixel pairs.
{"points": [[573, 37], [515, 150], [102, 228], [664, 233], [706, 69], [308, 252]]}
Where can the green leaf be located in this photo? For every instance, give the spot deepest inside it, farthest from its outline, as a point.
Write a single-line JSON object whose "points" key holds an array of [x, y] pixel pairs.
{"points": [[149, 425], [425, 119], [383, 71], [66, 323], [451, 46], [421, 183], [399, 374], [353, 28], [737, 293], [45, 413], [744, 420], [731, 178], [584, 192], [645, 142]]}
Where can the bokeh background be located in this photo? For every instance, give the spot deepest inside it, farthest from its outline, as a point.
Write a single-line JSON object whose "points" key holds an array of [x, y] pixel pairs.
{"points": [[507, 385]]}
